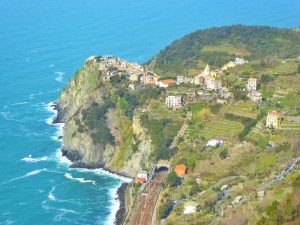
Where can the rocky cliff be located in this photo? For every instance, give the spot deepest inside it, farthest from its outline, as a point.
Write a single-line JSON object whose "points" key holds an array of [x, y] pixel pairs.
{"points": [[102, 122]]}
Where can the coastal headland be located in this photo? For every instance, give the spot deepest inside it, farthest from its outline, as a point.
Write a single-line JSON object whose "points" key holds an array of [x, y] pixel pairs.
{"points": [[218, 108]]}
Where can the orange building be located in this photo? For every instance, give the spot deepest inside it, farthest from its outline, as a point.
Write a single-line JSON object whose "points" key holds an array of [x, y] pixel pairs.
{"points": [[140, 180], [142, 177], [180, 170]]}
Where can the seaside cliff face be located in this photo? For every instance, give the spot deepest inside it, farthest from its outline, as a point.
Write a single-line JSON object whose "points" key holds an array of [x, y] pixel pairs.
{"points": [[101, 130]]}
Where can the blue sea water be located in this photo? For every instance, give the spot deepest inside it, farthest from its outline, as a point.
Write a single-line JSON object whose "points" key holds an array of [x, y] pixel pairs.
{"points": [[42, 44]]}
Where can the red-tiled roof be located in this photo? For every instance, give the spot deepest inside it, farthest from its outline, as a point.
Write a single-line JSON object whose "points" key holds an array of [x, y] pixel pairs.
{"points": [[140, 179], [170, 81], [180, 169], [274, 113]]}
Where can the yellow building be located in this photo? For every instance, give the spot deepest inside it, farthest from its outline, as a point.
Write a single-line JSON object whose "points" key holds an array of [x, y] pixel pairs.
{"points": [[228, 66], [273, 119]]}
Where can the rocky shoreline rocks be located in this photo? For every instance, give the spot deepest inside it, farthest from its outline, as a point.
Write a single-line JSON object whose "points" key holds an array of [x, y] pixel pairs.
{"points": [[121, 213]]}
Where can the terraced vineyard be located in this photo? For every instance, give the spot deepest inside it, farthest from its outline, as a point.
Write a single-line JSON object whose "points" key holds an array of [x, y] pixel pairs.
{"points": [[244, 109], [289, 125], [221, 128], [255, 131]]}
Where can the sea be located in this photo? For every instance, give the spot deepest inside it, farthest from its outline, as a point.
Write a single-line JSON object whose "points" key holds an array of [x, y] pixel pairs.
{"points": [[42, 44]]}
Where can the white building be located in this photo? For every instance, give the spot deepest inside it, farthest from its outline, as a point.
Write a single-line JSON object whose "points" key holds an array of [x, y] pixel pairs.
{"points": [[174, 101], [251, 84], [213, 84], [240, 61], [237, 199], [255, 96], [261, 194], [225, 93], [131, 87], [225, 187], [184, 79], [190, 208], [214, 143]]}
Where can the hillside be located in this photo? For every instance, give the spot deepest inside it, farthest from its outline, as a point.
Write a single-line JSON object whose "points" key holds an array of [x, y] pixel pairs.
{"points": [[216, 46], [235, 127]]}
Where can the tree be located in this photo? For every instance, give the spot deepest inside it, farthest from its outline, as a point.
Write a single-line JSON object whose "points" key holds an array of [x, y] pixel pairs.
{"points": [[172, 179], [299, 68]]}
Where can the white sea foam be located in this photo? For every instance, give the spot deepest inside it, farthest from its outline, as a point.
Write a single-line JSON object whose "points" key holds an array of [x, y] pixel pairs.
{"points": [[30, 159], [60, 126], [51, 65], [56, 90], [115, 205], [31, 96], [50, 107], [35, 172], [79, 179], [60, 76], [62, 159], [32, 173], [51, 196], [102, 172], [19, 103], [59, 132]]}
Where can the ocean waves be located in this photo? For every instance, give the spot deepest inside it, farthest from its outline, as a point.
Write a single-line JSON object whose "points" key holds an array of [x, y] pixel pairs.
{"points": [[80, 179]]}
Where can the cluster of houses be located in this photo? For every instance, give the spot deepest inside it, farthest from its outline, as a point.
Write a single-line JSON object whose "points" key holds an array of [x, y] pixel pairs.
{"points": [[135, 73], [209, 81], [114, 66]]}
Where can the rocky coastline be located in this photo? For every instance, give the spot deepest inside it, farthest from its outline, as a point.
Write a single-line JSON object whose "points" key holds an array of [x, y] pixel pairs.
{"points": [[122, 211], [75, 158]]}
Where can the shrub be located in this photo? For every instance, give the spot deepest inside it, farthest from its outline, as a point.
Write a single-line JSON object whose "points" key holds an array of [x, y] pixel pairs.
{"points": [[215, 108], [224, 153], [296, 182], [266, 78], [172, 179], [165, 208], [195, 188]]}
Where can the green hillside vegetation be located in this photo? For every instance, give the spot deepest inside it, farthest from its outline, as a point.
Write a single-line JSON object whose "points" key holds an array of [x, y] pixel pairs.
{"points": [[217, 46]]}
